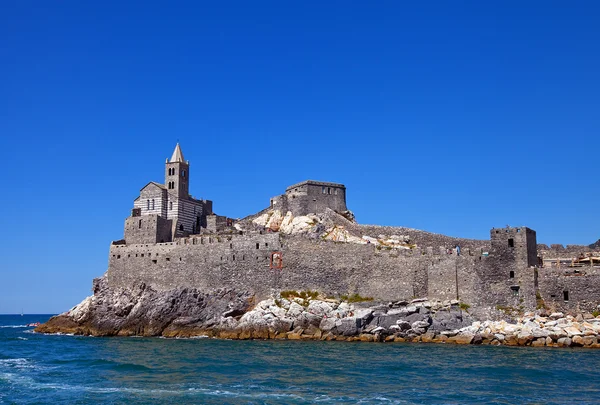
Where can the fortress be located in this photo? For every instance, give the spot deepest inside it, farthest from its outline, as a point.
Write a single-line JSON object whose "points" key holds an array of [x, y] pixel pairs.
{"points": [[307, 239]]}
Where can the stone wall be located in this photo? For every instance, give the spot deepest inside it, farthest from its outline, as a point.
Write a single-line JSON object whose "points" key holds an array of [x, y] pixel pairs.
{"points": [[570, 289], [147, 229], [244, 262], [310, 197]]}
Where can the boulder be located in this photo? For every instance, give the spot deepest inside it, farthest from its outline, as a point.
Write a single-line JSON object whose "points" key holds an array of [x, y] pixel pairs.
{"points": [[539, 342], [295, 310], [450, 319], [319, 308], [420, 325], [386, 321], [403, 325], [327, 324], [347, 326], [573, 331], [564, 342], [462, 339], [577, 340]]}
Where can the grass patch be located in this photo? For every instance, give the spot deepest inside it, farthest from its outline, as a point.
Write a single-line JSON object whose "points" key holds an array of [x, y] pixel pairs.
{"points": [[464, 306], [308, 294], [595, 312], [355, 298]]}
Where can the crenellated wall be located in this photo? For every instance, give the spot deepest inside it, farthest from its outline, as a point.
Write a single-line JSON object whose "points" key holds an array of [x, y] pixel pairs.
{"points": [[244, 262]]}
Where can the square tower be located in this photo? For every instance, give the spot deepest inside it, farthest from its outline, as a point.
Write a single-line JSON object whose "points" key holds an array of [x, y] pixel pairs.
{"points": [[177, 174], [517, 243]]}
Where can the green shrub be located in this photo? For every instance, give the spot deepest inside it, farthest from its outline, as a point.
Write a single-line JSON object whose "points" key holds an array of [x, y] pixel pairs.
{"points": [[355, 298], [287, 294], [308, 294]]}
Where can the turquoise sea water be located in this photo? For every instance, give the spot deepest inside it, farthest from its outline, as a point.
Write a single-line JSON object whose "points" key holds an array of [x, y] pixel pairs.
{"points": [[85, 370]]}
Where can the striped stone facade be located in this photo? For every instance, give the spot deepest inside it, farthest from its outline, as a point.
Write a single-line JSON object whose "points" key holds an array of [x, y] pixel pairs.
{"points": [[167, 211]]}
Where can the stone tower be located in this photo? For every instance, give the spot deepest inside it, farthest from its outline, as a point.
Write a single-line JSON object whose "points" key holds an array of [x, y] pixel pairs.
{"points": [[517, 244], [177, 172]]}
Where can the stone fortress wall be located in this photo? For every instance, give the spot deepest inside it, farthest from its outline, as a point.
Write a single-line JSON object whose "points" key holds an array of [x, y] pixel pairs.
{"points": [[509, 271], [245, 262]]}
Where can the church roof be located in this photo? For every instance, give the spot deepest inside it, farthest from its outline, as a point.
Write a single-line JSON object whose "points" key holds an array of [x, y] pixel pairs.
{"points": [[177, 155], [161, 186]]}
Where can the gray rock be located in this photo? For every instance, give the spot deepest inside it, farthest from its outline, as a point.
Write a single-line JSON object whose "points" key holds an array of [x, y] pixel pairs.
{"points": [[450, 319], [386, 321], [417, 317], [411, 309], [347, 326], [565, 342], [327, 324], [420, 325], [319, 308], [403, 325]]}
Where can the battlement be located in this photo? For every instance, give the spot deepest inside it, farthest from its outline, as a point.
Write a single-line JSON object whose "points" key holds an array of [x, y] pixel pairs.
{"points": [[315, 183]]}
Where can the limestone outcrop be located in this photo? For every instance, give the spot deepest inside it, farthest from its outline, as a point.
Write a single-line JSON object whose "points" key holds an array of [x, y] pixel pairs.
{"points": [[325, 226]]}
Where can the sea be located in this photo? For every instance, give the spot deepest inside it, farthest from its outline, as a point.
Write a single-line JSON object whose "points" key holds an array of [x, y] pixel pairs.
{"points": [[52, 369]]}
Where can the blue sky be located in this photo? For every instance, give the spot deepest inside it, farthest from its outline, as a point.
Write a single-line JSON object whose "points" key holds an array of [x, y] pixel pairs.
{"points": [[452, 117]]}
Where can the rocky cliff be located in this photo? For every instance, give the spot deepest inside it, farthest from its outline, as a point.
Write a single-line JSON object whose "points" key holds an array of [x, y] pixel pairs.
{"points": [[230, 314]]}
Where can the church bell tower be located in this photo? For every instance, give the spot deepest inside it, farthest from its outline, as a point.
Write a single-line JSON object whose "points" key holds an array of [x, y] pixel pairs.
{"points": [[177, 172]]}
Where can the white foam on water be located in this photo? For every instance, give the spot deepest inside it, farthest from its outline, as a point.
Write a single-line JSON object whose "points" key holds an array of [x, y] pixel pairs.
{"points": [[19, 363], [14, 326], [22, 338], [194, 337]]}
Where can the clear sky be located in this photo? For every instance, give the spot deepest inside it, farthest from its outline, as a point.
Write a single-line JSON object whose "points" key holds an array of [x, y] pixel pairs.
{"points": [[452, 117]]}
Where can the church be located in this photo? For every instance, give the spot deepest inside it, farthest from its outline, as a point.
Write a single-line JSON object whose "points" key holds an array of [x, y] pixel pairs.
{"points": [[163, 212]]}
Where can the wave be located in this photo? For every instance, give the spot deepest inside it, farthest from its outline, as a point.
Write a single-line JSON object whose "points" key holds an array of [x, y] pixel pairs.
{"points": [[15, 326], [234, 392]]}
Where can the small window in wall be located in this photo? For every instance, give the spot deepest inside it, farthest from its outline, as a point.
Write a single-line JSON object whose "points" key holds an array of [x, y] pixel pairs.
{"points": [[566, 295], [266, 244], [328, 190], [170, 205], [148, 205], [153, 203], [335, 191], [257, 245], [140, 224], [324, 190], [183, 173], [181, 227], [511, 274], [511, 242], [515, 290]]}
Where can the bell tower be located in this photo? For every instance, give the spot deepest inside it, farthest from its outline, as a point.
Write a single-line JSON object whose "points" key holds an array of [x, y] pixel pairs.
{"points": [[177, 172]]}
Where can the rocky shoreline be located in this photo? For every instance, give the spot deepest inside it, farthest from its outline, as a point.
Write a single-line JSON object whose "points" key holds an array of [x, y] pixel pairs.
{"points": [[291, 315]]}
